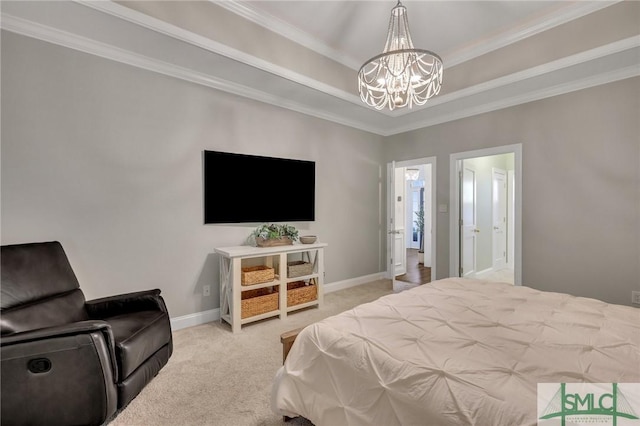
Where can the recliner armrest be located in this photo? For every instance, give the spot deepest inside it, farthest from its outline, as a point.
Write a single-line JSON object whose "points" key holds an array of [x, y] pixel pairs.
{"points": [[105, 307], [58, 331]]}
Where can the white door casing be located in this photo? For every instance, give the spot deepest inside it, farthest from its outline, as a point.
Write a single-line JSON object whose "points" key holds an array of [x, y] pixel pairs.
{"points": [[499, 214], [413, 194], [510, 217], [468, 225], [398, 223], [428, 216], [396, 252], [431, 161]]}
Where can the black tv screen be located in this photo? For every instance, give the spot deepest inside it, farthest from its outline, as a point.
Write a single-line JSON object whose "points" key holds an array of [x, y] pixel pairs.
{"points": [[242, 188]]}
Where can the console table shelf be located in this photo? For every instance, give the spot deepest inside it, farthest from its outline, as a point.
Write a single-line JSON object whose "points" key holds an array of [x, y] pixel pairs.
{"points": [[233, 259], [261, 285]]}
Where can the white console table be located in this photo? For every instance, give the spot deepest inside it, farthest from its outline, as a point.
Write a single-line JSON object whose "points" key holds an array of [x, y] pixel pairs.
{"points": [[233, 259]]}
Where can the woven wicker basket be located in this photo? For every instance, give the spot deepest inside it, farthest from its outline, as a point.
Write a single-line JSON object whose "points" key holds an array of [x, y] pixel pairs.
{"points": [[299, 293], [299, 268], [259, 301], [256, 275]]}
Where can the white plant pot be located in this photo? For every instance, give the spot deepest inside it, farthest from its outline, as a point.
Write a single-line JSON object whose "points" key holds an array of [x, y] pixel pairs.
{"points": [[421, 257]]}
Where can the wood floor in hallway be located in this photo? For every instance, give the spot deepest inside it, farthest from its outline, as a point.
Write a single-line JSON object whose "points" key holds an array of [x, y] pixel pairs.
{"points": [[417, 273]]}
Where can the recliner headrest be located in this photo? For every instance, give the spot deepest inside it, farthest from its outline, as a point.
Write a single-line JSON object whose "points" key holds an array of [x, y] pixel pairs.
{"points": [[34, 271]]}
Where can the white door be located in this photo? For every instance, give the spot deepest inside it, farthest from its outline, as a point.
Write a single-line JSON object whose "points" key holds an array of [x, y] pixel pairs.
{"points": [[468, 225], [499, 206], [396, 245], [428, 215], [400, 245], [511, 184]]}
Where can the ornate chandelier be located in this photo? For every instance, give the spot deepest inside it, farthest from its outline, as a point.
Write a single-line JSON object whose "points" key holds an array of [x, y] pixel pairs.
{"points": [[401, 75]]}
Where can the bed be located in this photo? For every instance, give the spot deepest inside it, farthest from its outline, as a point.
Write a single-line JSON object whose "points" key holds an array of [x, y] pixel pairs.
{"points": [[454, 352]]}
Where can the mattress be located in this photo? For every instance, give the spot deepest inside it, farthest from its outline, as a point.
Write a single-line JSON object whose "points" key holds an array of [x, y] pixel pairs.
{"points": [[454, 352]]}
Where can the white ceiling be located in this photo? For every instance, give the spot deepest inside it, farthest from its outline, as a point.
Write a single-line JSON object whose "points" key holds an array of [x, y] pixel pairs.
{"points": [[356, 30], [347, 32]]}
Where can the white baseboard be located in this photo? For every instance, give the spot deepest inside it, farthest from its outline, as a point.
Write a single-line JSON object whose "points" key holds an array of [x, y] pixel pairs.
{"points": [[190, 320], [341, 285]]}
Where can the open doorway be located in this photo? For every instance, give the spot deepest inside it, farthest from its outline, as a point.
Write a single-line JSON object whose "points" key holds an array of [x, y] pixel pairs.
{"points": [[411, 222], [486, 199]]}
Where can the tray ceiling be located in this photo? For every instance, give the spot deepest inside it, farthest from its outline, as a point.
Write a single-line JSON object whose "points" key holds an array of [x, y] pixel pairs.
{"points": [[304, 55]]}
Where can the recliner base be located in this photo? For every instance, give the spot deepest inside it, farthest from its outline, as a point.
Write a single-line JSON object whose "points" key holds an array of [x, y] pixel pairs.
{"points": [[132, 385]]}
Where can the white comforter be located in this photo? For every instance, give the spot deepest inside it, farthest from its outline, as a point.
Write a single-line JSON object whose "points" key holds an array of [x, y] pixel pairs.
{"points": [[454, 352]]}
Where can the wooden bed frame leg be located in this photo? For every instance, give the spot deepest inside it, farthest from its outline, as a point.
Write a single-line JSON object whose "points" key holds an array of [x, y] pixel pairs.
{"points": [[287, 338]]}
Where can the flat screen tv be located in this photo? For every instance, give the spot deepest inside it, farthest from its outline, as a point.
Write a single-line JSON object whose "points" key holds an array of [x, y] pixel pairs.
{"points": [[242, 188]]}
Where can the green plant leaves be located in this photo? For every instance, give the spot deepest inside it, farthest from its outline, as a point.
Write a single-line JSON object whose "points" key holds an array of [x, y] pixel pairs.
{"points": [[274, 231]]}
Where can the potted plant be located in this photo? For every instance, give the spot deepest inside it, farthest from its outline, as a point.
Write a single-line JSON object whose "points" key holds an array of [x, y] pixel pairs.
{"points": [[420, 224], [275, 235]]}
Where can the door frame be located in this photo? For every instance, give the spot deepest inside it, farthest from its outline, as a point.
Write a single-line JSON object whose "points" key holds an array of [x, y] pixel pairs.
{"points": [[510, 217], [462, 272], [399, 266], [410, 192], [455, 161], [408, 163], [494, 172]]}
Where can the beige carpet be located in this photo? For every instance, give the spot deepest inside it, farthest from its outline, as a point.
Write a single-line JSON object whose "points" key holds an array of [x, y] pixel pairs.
{"points": [[219, 378]]}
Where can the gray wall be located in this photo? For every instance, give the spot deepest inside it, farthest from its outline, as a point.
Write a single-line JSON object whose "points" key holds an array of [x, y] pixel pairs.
{"points": [[107, 159], [581, 185]]}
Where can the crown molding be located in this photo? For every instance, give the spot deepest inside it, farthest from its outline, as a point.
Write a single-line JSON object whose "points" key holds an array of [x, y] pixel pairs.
{"points": [[162, 27], [288, 31], [73, 41], [498, 93], [560, 89], [567, 61], [575, 11], [544, 23]]}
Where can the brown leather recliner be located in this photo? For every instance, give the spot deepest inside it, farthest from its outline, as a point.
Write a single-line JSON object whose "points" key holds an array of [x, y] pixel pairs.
{"points": [[69, 361]]}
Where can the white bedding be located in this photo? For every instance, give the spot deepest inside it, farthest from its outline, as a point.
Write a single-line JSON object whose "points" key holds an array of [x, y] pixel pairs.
{"points": [[454, 352]]}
